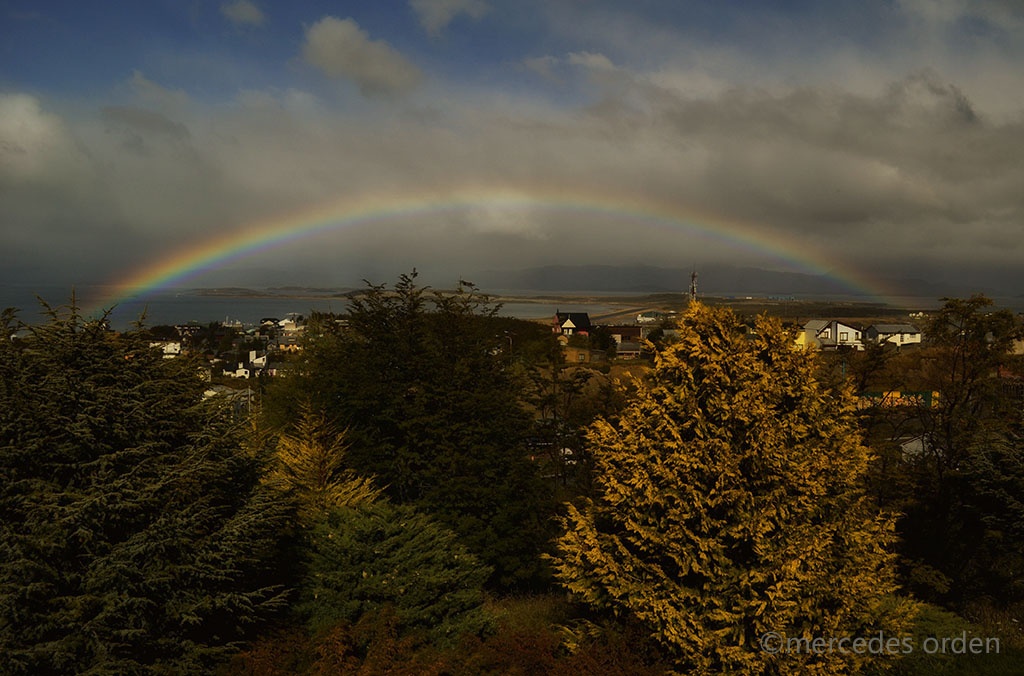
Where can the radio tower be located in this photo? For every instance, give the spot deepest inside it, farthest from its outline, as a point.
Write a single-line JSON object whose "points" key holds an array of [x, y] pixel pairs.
{"points": [[693, 285]]}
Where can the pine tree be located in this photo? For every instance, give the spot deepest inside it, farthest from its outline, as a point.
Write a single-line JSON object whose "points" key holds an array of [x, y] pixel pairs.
{"points": [[433, 413], [310, 464], [135, 536], [730, 505], [374, 556], [360, 554]]}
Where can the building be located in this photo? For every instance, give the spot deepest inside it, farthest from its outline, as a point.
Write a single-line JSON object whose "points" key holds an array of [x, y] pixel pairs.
{"points": [[628, 349], [650, 317], [578, 355], [628, 332], [170, 349], [893, 334], [896, 398], [571, 323], [830, 334]]}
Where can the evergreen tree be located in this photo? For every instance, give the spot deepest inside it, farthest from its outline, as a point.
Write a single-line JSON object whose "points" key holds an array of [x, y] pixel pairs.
{"points": [[375, 556], [135, 536], [310, 464], [969, 469], [363, 558], [730, 505], [967, 342], [423, 384]]}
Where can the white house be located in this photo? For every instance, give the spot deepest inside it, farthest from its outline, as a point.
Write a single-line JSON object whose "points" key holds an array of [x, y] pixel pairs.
{"points": [[169, 348], [916, 447], [649, 317], [894, 334], [830, 334]]}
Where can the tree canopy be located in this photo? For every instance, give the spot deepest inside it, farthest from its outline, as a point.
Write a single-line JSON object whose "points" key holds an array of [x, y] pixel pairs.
{"points": [[135, 535], [424, 384], [729, 504], [961, 493]]}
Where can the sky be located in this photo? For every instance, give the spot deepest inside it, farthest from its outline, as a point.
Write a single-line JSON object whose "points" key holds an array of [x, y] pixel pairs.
{"points": [[877, 141]]}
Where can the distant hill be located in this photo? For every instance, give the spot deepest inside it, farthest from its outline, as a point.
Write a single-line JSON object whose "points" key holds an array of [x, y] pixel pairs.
{"points": [[712, 279]]}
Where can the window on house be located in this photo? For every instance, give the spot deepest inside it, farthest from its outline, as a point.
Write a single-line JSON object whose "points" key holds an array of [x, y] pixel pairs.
{"points": [[581, 357], [844, 336]]}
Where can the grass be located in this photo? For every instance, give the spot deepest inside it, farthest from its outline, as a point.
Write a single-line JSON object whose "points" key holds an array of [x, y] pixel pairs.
{"points": [[945, 644]]}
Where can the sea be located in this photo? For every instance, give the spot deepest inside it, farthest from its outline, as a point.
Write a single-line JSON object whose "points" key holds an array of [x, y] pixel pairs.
{"points": [[200, 306], [181, 306]]}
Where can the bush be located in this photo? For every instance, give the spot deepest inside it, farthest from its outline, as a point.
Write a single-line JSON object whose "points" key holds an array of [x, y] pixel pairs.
{"points": [[367, 558]]}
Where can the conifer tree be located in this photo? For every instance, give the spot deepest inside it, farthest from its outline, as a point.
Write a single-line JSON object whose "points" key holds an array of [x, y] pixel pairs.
{"points": [[729, 505], [433, 413], [370, 557], [135, 536], [310, 464], [968, 476], [360, 554]]}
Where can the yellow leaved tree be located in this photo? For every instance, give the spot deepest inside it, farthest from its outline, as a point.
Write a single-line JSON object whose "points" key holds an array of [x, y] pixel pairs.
{"points": [[730, 506], [311, 465]]}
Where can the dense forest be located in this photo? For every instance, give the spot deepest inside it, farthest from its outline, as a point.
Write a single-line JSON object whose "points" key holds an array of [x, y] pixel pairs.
{"points": [[432, 489]]}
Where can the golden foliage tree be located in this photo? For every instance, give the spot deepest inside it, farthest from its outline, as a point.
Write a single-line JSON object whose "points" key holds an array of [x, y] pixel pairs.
{"points": [[311, 465], [729, 505]]}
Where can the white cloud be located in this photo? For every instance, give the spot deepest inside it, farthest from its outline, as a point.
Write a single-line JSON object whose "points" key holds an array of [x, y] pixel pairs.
{"points": [[341, 49], [243, 13], [555, 68], [33, 143], [435, 15], [591, 60]]}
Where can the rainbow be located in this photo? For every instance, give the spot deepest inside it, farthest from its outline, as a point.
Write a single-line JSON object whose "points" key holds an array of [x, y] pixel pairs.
{"points": [[376, 209]]}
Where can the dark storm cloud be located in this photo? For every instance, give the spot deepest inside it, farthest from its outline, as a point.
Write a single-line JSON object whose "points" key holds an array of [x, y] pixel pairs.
{"points": [[916, 156], [892, 145]]}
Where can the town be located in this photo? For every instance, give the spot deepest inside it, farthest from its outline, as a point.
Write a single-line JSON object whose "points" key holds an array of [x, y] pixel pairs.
{"points": [[424, 419]]}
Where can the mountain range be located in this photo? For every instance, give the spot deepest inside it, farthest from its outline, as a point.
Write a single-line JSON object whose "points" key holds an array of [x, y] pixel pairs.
{"points": [[719, 279]]}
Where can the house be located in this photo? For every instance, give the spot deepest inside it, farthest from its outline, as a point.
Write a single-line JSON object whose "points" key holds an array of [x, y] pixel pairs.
{"points": [[170, 349], [893, 334], [830, 334], [627, 349], [577, 355], [571, 323], [650, 317], [915, 447], [627, 333], [289, 342], [277, 369], [894, 398], [292, 321]]}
